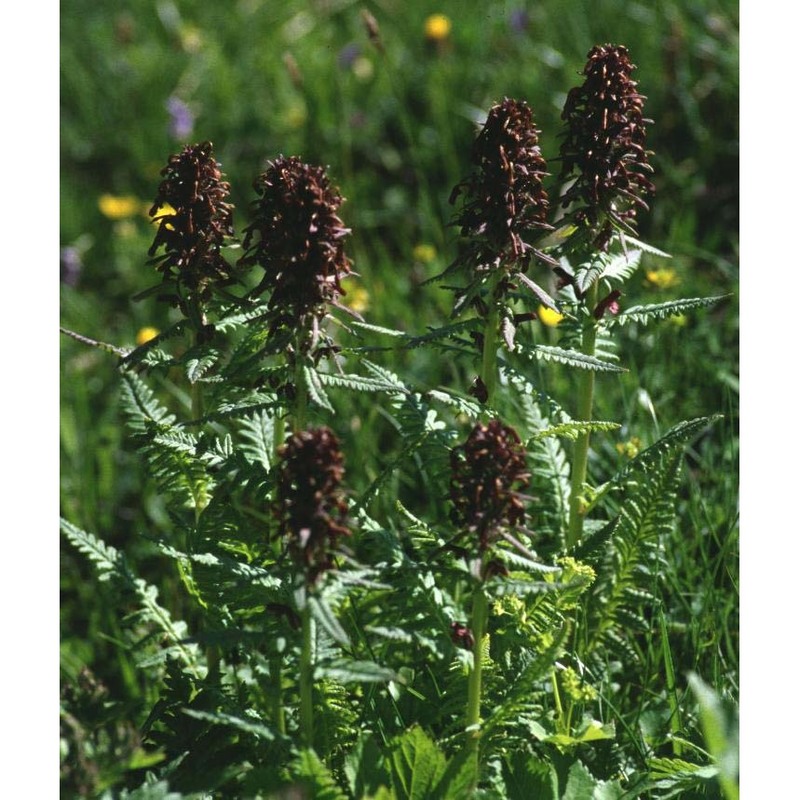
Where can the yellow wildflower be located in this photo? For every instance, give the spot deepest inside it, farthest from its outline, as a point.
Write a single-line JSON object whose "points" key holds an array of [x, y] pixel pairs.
{"points": [[549, 317], [191, 39], [162, 211], [662, 278], [631, 448], [146, 334], [437, 27], [115, 207], [424, 253], [358, 299]]}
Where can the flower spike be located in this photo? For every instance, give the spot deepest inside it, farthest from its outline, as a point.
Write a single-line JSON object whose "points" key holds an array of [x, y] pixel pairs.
{"points": [[297, 238], [604, 146], [194, 219], [488, 472], [311, 506]]}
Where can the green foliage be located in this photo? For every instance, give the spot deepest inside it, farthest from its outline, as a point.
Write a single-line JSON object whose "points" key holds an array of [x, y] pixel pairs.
{"points": [[258, 677]]}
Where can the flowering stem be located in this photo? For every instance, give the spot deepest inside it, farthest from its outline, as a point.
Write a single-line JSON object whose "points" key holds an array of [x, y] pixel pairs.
{"points": [[306, 678], [276, 670], [301, 389], [489, 361], [480, 610], [585, 399]]}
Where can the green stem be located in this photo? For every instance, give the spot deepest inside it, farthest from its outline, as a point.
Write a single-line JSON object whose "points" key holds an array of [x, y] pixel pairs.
{"points": [[300, 411], [306, 678], [276, 670], [480, 613], [585, 399], [489, 360], [561, 727]]}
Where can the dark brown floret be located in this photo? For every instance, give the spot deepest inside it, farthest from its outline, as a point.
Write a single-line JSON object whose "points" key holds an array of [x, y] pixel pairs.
{"points": [[505, 200], [194, 233], [296, 237], [311, 505], [604, 145], [488, 472]]}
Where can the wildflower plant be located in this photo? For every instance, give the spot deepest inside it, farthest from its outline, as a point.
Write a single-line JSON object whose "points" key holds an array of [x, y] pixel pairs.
{"points": [[453, 622]]}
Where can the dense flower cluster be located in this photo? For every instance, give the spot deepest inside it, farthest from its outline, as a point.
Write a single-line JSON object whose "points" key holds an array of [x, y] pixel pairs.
{"points": [[504, 197], [604, 144], [297, 238], [194, 228], [487, 473], [311, 506]]}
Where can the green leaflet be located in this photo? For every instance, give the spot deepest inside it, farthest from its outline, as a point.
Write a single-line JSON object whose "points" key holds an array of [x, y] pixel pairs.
{"points": [[308, 770], [571, 430], [657, 311], [257, 729], [112, 565], [316, 391], [258, 431], [629, 559], [572, 358], [358, 383]]}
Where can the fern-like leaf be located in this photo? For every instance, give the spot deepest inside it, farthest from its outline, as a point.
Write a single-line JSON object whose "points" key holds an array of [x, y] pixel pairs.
{"points": [[631, 559], [572, 430], [112, 566], [571, 358], [672, 308]]}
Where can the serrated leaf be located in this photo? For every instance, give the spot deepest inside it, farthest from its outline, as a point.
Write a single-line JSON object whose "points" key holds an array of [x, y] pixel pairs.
{"points": [[258, 431], [377, 329], [417, 764], [365, 769], [571, 430], [315, 390], [357, 383], [572, 358], [348, 671], [309, 770], [197, 367], [463, 405], [580, 783], [460, 779], [256, 729], [647, 248], [112, 565], [528, 777], [592, 731], [657, 311], [621, 266], [588, 273], [505, 586], [324, 615]]}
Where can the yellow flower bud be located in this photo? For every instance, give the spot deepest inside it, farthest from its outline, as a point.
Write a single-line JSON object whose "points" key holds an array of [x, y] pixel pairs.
{"points": [[437, 27], [549, 317], [146, 334]]}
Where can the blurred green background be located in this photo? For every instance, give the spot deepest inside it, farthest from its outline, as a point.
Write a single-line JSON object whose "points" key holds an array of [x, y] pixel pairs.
{"points": [[394, 125]]}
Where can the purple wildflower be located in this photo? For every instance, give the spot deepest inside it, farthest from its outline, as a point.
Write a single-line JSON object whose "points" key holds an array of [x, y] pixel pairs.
{"points": [[181, 119]]}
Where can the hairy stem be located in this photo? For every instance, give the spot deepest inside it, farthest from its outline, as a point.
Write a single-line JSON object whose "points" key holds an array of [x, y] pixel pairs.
{"points": [[480, 612], [306, 678], [489, 360], [300, 410], [276, 671], [585, 400]]}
